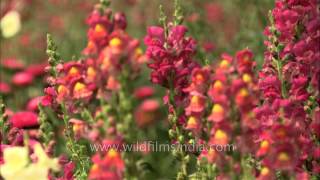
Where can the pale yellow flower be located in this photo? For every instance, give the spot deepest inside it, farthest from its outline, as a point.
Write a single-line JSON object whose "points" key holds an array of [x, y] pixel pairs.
{"points": [[15, 159], [16, 165], [10, 24], [43, 160]]}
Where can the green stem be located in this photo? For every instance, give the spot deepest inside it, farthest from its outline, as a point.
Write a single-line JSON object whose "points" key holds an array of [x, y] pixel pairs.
{"points": [[283, 85], [74, 148]]}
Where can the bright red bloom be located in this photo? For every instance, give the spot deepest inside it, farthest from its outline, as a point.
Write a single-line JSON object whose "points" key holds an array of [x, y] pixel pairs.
{"points": [[24, 119]]}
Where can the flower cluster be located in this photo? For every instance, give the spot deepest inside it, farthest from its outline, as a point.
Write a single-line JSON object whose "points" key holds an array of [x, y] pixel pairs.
{"points": [[230, 98], [197, 99], [289, 82], [171, 57], [172, 61], [89, 78], [112, 58]]}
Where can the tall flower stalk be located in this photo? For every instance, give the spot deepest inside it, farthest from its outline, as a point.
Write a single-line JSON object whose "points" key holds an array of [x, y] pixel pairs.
{"points": [[172, 60], [94, 99], [289, 79]]}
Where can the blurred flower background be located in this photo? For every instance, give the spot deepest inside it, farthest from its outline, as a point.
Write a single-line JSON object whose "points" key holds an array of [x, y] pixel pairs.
{"points": [[219, 26]]}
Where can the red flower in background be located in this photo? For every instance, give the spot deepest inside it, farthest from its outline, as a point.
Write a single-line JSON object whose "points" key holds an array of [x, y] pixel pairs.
{"points": [[12, 63], [36, 69], [5, 88], [147, 112], [22, 79], [33, 103], [214, 12], [144, 92]]}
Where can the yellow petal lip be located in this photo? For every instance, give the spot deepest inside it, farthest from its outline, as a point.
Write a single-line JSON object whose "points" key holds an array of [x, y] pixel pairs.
{"points": [[246, 78], [114, 42], [224, 63], [217, 108], [283, 156], [220, 134], [10, 24], [265, 171]]}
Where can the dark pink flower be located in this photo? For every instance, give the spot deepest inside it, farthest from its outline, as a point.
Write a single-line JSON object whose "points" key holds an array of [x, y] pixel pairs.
{"points": [[298, 89], [270, 87], [245, 62]]}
